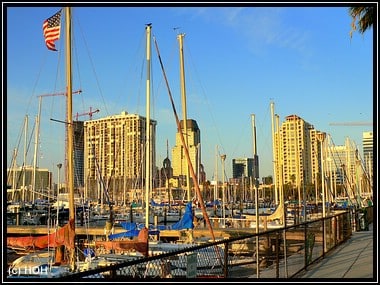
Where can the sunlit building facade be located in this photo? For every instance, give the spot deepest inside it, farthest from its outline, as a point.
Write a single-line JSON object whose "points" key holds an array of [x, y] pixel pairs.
{"points": [[114, 150]]}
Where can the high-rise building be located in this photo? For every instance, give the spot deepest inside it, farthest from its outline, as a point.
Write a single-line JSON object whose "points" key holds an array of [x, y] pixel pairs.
{"points": [[179, 162], [343, 165], [21, 183], [302, 153], [115, 155], [368, 152], [295, 154], [242, 167], [78, 154], [315, 155]]}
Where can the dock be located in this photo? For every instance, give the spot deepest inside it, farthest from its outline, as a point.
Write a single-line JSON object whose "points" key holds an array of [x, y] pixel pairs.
{"points": [[13, 230]]}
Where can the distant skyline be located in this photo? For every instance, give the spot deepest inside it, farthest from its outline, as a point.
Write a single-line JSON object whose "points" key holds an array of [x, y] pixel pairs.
{"points": [[237, 61]]}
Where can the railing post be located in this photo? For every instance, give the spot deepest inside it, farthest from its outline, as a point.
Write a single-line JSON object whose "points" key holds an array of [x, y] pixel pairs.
{"points": [[277, 255], [305, 246], [225, 264], [323, 237]]}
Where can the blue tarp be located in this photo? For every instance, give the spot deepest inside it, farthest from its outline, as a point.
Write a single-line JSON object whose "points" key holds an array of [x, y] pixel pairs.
{"points": [[186, 222], [133, 229], [128, 226], [131, 233]]}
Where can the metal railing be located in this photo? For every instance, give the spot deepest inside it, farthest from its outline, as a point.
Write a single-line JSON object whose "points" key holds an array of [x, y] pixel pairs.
{"points": [[276, 253]]}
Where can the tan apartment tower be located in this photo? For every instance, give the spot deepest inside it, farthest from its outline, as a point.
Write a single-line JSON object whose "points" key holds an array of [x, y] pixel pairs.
{"points": [[179, 162], [296, 152], [115, 156]]}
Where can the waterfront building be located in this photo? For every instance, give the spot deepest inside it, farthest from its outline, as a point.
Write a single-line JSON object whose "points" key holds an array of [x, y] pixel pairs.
{"points": [[242, 167], [368, 153], [78, 154], [339, 155], [296, 156], [114, 149], [21, 181], [179, 161]]}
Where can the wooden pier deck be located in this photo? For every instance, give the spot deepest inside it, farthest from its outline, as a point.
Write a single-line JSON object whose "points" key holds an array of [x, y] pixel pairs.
{"points": [[172, 235]]}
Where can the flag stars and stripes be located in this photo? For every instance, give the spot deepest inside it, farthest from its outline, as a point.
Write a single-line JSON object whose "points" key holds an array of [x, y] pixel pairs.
{"points": [[52, 29]]}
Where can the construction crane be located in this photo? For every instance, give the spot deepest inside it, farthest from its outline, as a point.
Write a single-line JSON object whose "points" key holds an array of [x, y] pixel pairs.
{"points": [[351, 124], [87, 113], [38, 127], [55, 94]]}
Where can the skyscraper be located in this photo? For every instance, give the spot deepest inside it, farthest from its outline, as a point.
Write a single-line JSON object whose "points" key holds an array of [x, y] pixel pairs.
{"points": [[368, 152], [242, 167], [295, 151], [78, 154], [179, 162], [115, 154]]}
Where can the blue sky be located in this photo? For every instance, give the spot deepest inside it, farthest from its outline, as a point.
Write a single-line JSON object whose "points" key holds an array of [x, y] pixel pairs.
{"points": [[237, 61]]}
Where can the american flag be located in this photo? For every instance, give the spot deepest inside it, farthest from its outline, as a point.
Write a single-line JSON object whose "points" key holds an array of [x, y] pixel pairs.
{"points": [[52, 29]]}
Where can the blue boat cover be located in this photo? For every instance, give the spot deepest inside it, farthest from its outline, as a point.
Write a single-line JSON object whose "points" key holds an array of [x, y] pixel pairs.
{"points": [[128, 226], [186, 222], [131, 233], [133, 229]]}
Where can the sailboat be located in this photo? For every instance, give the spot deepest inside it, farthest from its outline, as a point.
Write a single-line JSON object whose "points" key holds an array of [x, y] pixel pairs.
{"points": [[217, 252], [205, 257], [52, 263], [62, 267], [132, 228], [182, 136], [64, 237], [260, 220]]}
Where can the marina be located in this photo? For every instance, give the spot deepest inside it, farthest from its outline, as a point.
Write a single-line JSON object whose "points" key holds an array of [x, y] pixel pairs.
{"points": [[126, 218], [241, 244]]}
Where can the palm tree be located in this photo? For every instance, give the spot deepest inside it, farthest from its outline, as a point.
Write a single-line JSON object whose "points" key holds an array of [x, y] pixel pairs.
{"points": [[362, 17]]}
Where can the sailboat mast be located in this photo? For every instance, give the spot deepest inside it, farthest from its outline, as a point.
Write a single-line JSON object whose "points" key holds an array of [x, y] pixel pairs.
{"points": [[196, 185], [255, 170], [36, 142], [24, 163], [279, 170], [275, 158], [184, 108], [70, 139], [256, 185], [148, 151]]}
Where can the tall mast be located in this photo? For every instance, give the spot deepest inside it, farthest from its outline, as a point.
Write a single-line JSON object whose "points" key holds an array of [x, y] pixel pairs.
{"points": [[70, 139], [279, 168], [256, 185], [24, 164], [275, 162], [191, 169], [255, 168], [184, 108], [35, 151], [216, 191], [148, 147]]}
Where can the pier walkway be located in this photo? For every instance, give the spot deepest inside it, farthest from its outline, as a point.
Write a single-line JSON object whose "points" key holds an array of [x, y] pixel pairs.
{"points": [[354, 259]]}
